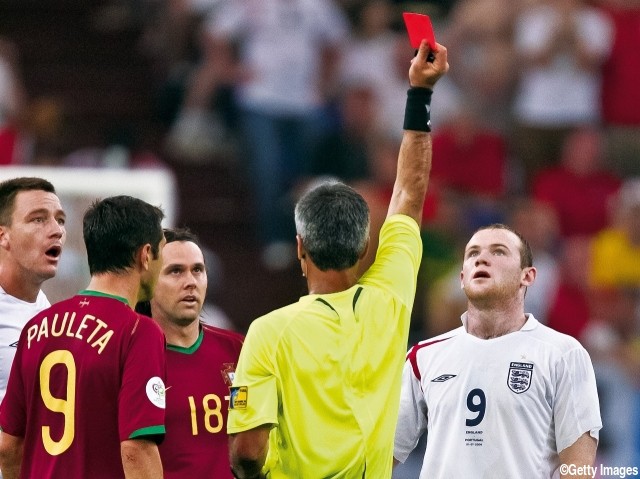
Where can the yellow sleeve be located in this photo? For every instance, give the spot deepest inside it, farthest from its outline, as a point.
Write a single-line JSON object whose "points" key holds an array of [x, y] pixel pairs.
{"points": [[254, 396], [398, 259]]}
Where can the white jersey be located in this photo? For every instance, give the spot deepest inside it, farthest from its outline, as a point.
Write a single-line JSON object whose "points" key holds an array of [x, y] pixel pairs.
{"points": [[280, 42], [14, 314], [500, 408]]}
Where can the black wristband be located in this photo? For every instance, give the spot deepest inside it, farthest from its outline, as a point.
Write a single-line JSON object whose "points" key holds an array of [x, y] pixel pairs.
{"points": [[417, 112]]}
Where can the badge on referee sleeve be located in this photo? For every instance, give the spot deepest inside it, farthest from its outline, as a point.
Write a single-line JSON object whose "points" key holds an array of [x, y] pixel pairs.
{"points": [[238, 397]]}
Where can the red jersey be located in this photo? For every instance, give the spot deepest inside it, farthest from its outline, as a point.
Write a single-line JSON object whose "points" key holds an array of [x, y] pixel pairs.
{"points": [[88, 373], [198, 381], [581, 202], [620, 96], [569, 310], [476, 166]]}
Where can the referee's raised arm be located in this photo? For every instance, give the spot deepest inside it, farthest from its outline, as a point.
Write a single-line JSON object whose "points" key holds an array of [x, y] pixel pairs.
{"points": [[414, 159]]}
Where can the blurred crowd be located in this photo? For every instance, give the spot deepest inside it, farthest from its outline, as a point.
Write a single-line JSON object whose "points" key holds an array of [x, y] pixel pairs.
{"points": [[537, 126]]}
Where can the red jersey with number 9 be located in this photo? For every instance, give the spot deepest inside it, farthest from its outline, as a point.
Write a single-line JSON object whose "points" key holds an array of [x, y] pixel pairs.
{"points": [[89, 373]]}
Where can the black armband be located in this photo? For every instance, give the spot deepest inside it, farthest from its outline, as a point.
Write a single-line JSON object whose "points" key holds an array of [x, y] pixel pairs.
{"points": [[417, 112]]}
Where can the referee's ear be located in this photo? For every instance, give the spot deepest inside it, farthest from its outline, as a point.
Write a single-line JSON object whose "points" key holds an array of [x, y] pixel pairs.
{"points": [[302, 256], [365, 250], [300, 248]]}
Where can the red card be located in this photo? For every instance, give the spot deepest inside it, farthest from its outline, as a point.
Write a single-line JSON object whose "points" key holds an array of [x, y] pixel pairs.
{"points": [[419, 27]]}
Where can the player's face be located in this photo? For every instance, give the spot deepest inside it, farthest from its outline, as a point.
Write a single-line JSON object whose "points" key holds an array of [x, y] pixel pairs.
{"points": [[182, 285], [491, 268], [34, 240]]}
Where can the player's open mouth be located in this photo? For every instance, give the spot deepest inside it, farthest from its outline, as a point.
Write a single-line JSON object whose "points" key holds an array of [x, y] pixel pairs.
{"points": [[54, 251], [190, 299], [481, 274]]}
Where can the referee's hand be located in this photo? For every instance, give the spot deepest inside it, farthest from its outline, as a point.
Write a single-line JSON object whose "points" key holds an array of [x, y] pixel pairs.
{"points": [[423, 73]]}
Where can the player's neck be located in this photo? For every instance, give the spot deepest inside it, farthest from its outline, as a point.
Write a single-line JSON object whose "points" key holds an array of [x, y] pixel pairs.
{"points": [[181, 336], [489, 323], [19, 285], [125, 286]]}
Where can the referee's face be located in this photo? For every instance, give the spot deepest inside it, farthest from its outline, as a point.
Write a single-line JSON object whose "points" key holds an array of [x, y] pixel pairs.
{"points": [[182, 285]]}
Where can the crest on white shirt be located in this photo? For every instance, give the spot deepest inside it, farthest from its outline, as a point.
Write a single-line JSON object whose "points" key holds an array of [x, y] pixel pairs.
{"points": [[520, 375]]}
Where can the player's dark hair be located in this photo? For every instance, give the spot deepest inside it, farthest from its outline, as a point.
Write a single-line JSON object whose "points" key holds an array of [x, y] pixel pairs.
{"points": [[526, 255], [115, 228], [180, 234], [143, 307], [9, 190], [333, 221]]}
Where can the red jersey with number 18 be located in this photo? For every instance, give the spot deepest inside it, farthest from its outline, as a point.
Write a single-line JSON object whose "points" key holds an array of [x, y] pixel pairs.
{"points": [[198, 382], [88, 373]]}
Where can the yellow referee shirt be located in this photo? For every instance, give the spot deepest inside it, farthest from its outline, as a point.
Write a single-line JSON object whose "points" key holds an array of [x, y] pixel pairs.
{"points": [[326, 371]]}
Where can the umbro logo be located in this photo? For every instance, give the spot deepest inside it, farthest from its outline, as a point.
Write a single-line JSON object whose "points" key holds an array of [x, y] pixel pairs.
{"points": [[443, 378]]}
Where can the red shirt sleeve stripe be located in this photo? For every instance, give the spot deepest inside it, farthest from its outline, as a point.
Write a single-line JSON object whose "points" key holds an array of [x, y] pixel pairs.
{"points": [[413, 353]]}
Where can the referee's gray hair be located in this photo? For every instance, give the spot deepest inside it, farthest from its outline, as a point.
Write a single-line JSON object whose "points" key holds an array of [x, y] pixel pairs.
{"points": [[333, 221]]}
